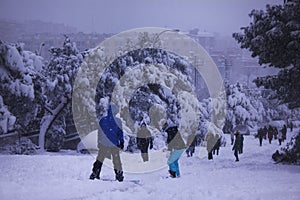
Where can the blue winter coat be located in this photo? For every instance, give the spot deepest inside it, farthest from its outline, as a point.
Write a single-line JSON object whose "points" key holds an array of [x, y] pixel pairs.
{"points": [[110, 132]]}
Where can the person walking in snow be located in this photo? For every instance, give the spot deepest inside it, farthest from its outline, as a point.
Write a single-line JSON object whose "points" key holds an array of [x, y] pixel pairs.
{"points": [[270, 134], [110, 141], [260, 136], [291, 126], [284, 131], [275, 131], [280, 137], [144, 141], [265, 132], [175, 145], [191, 141], [237, 145], [210, 143]]}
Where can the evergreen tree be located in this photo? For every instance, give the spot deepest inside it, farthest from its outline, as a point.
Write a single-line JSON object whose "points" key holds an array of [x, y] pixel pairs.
{"points": [[274, 36], [20, 89], [243, 107], [60, 73]]}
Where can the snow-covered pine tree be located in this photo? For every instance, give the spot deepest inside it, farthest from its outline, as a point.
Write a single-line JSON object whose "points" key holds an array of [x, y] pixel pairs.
{"points": [[274, 36], [243, 107], [60, 73], [147, 95], [20, 89]]}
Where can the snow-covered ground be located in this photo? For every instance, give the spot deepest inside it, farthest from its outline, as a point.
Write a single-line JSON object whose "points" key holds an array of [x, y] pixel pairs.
{"points": [[65, 176]]}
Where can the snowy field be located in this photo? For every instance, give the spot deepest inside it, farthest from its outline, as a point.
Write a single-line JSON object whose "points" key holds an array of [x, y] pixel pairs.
{"points": [[64, 176]]}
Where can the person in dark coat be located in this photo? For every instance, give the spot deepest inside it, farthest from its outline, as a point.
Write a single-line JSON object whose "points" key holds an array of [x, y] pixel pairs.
{"points": [[110, 141], [191, 141], [237, 145], [260, 136], [275, 131], [280, 137], [175, 145], [144, 140], [265, 132], [270, 134], [284, 131]]}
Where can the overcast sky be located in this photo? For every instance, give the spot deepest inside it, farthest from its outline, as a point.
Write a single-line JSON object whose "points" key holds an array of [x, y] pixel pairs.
{"points": [[222, 16]]}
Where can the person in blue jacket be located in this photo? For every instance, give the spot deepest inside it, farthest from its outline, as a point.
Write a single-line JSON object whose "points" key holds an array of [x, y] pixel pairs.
{"points": [[110, 141], [176, 146]]}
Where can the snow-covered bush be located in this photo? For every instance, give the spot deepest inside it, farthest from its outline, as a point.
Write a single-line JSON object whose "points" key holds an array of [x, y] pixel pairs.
{"points": [[60, 75], [7, 120], [54, 138], [20, 86], [244, 107], [160, 86], [22, 146], [290, 153], [212, 118]]}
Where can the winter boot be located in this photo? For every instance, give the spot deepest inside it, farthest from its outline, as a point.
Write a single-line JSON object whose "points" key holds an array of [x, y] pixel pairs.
{"points": [[172, 173], [119, 175], [96, 170]]}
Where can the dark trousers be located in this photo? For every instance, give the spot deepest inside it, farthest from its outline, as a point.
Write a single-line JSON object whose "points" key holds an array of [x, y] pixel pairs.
{"points": [[210, 155], [216, 150], [241, 150], [144, 151], [236, 154], [260, 141], [190, 150]]}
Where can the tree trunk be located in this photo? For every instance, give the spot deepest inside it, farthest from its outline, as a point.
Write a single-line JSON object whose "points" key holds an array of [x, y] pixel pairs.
{"points": [[48, 121]]}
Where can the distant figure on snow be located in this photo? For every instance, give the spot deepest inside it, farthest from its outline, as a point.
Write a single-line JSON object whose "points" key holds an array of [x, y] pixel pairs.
{"points": [[144, 140], [260, 136], [191, 141], [110, 141], [237, 145], [210, 139], [284, 131], [176, 146], [280, 137], [265, 132], [270, 134]]}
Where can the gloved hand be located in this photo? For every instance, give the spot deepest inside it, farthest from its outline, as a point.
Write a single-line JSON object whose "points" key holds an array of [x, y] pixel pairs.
{"points": [[121, 145]]}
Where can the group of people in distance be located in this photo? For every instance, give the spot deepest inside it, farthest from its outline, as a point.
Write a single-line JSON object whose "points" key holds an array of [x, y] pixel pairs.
{"points": [[271, 133]]}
